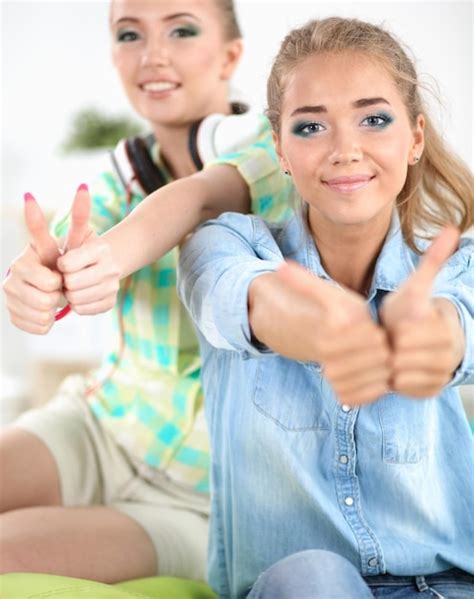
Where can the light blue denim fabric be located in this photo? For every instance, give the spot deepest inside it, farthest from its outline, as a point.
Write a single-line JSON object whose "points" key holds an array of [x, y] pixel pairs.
{"points": [[388, 486], [317, 574]]}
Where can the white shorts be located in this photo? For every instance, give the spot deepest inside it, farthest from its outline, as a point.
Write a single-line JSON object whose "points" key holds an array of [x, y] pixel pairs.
{"points": [[94, 470]]}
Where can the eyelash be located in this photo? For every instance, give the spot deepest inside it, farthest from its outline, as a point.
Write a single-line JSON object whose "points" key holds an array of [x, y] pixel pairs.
{"points": [[302, 129], [127, 35], [385, 118], [187, 31]]}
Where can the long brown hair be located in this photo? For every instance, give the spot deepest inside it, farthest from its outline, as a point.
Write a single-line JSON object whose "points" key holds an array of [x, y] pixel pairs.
{"points": [[439, 188]]}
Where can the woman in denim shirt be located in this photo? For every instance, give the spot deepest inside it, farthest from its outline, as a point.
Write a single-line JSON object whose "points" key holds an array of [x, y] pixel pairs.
{"points": [[342, 460]]}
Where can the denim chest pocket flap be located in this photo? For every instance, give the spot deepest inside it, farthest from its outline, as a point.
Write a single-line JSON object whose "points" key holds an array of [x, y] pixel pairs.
{"points": [[405, 424], [290, 394]]}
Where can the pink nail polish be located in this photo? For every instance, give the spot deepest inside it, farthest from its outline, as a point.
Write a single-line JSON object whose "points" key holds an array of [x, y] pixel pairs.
{"points": [[82, 187], [28, 197]]}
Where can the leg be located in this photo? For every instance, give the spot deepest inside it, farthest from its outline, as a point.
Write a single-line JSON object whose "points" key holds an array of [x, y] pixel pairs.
{"points": [[28, 471], [96, 542], [308, 574]]}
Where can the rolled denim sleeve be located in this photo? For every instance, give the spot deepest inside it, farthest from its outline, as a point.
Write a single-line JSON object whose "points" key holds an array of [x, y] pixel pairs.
{"points": [[456, 284], [216, 268]]}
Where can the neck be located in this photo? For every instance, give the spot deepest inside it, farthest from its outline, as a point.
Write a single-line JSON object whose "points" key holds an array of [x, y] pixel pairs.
{"points": [[349, 252], [174, 143], [174, 150]]}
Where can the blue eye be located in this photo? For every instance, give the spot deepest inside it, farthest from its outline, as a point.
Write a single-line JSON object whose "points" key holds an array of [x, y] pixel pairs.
{"points": [[127, 35], [188, 31], [377, 121], [307, 129]]}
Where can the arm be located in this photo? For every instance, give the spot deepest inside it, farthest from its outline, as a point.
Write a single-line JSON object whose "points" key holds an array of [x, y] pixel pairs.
{"points": [[229, 285], [161, 221]]}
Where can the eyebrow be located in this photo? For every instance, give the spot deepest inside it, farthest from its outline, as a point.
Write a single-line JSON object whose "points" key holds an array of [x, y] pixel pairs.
{"points": [[178, 15], [362, 103]]}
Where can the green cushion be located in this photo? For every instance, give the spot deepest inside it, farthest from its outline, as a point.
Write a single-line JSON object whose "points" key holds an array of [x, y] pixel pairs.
{"points": [[44, 586]]}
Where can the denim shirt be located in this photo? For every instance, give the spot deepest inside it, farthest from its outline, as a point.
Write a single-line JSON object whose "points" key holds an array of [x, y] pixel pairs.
{"points": [[389, 486]]}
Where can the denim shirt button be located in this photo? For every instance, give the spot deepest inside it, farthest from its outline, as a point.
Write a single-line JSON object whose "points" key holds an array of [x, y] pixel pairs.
{"points": [[349, 501], [343, 459], [373, 561], [346, 408]]}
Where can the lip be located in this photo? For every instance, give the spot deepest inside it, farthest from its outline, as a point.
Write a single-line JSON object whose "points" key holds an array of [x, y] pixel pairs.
{"points": [[159, 92], [350, 183]]}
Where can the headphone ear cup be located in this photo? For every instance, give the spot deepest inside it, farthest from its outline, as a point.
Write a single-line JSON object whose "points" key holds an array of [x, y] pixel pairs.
{"points": [[220, 134], [146, 171], [201, 139]]}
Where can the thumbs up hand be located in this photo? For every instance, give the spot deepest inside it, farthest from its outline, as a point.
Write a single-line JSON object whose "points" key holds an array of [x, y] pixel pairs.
{"points": [[91, 276], [305, 318], [425, 333], [33, 287]]}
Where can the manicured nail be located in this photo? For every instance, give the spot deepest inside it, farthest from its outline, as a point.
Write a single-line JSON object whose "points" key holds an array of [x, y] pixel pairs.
{"points": [[82, 187], [28, 197]]}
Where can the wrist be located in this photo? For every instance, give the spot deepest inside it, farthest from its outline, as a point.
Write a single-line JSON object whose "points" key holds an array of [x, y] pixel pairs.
{"points": [[449, 313]]}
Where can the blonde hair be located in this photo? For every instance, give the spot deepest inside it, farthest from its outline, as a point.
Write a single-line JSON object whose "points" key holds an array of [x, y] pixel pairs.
{"points": [[231, 24], [439, 188]]}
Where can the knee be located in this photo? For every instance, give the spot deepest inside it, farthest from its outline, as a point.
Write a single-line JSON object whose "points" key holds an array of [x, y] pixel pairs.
{"points": [[311, 573]]}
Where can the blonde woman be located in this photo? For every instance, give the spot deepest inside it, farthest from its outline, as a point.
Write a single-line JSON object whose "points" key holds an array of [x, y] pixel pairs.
{"points": [[342, 457]]}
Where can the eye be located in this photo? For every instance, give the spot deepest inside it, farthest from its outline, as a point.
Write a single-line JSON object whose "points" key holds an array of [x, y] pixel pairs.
{"points": [[307, 129], [127, 35], [184, 32], [378, 121]]}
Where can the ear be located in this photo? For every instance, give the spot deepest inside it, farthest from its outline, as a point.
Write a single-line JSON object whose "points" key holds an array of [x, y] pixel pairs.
{"points": [[232, 53], [418, 144], [281, 159]]}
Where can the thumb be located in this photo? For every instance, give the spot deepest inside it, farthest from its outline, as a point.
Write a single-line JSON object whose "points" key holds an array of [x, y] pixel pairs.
{"points": [[433, 260], [43, 242], [80, 213]]}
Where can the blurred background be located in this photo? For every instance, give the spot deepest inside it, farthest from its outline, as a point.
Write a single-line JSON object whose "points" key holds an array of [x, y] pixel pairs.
{"points": [[55, 64]]}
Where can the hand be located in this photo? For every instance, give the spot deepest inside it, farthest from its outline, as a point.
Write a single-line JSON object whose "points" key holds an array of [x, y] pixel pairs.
{"points": [[329, 325], [33, 285], [90, 273], [425, 333]]}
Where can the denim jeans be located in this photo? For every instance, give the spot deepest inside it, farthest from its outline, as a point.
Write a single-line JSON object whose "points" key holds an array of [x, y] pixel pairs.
{"points": [[317, 574]]}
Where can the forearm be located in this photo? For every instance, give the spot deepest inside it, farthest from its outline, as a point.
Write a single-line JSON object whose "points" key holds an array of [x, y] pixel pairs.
{"points": [[450, 315], [279, 319], [163, 219]]}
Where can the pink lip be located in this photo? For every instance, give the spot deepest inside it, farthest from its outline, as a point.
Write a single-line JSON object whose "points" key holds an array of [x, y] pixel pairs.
{"points": [[349, 184]]}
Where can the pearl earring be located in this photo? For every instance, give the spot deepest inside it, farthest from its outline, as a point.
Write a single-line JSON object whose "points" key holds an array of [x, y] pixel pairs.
{"points": [[416, 159]]}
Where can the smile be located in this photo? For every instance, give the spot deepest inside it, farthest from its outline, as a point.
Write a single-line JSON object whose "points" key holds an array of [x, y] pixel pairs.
{"points": [[159, 86], [349, 184]]}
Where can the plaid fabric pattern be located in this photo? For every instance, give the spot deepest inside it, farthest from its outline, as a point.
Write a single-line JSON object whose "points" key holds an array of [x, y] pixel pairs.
{"points": [[152, 402]]}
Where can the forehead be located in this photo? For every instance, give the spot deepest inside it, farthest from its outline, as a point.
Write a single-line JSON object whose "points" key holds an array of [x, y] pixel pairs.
{"points": [[156, 9], [338, 79]]}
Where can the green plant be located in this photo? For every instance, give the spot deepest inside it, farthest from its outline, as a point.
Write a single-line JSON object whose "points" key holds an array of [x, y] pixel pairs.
{"points": [[92, 129]]}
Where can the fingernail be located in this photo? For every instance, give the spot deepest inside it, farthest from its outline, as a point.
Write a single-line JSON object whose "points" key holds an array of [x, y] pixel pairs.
{"points": [[82, 187], [28, 197]]}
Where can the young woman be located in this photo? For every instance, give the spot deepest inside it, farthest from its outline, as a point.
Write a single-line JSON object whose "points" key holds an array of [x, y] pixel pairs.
{"points": [[119, 459], [342, 459]]}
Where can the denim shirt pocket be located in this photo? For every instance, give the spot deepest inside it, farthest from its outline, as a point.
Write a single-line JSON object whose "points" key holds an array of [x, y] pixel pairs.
{"points": [[290, 394], [403, 422]]}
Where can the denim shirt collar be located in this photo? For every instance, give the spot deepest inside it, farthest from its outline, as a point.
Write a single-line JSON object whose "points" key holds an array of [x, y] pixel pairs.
{"points": [[394, 264]]}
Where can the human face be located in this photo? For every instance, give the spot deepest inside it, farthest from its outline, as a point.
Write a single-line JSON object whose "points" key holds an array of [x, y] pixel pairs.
{"points": [[346, 138], [172, 58]]}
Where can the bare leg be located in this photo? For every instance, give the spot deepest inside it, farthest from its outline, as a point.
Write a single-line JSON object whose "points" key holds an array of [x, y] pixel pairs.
{"points": [[97, 543], [28, 472], [38, 534]]}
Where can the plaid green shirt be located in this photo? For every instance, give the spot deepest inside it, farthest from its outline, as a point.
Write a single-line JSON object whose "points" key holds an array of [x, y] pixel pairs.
{"points": [[152, 402]]}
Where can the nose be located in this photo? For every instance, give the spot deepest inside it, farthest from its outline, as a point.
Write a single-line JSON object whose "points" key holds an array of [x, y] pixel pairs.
{"points": [[346, 148], [156, 53]]}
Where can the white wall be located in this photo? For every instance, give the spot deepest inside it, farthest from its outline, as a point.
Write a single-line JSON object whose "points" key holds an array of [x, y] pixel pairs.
{"points": [[55, 61]]}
